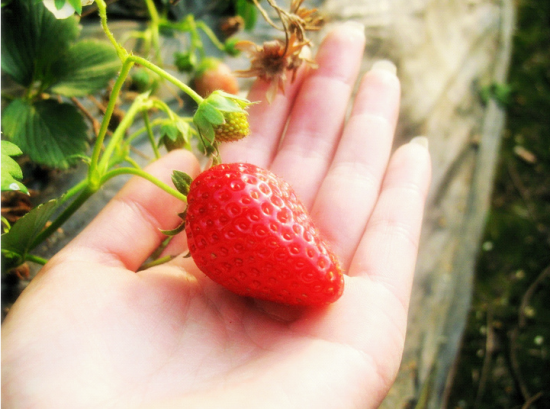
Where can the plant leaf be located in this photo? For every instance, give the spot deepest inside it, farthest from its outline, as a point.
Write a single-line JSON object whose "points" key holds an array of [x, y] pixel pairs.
{"points": [[173, 232], [181, 181], [50, 133], [77, 5], [170, 130], [10, 168], [32, 40], [247, 11], [17, 242], [210, 113], [85, 68], [205, 128], [224, 104]]}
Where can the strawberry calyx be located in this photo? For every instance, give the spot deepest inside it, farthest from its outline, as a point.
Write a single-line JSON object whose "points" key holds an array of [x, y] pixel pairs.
{"points": [[185, 62], [175, 134], [182, 182], [221, 117]]}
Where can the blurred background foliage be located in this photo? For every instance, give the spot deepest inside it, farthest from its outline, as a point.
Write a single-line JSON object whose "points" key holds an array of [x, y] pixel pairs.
{"points": [[505, 356]]}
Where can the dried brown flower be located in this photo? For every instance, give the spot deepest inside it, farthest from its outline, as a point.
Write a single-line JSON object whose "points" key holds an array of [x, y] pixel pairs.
{"points": [[231, 25], [301, 19], [271, 61]]}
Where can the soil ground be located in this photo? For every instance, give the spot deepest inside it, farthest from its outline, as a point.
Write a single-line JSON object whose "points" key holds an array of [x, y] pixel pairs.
{"points": [[505, 353]]}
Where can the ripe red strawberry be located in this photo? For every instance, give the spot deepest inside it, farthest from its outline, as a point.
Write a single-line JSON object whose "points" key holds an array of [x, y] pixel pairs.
{"points": [[247, 230]]}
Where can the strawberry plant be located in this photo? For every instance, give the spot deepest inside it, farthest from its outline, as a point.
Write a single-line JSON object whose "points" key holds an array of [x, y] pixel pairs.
{"points": [[45, 118]]}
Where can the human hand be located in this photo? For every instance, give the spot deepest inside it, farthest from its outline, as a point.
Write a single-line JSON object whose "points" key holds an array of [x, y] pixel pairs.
{"points": [[91, 332]]}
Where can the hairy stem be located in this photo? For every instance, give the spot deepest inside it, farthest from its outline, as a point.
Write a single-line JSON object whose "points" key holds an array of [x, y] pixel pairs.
{"points": [[139, 104], [141, 173], [93, 174], [184, 87], [150, 134], [132, 162], [121, 51], [210, 34]]}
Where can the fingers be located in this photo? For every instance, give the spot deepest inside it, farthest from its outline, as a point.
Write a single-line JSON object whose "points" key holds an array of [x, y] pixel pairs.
{"points": [[127, 230], [318, 114], [353, 181], [387, 252], [267, 122]]}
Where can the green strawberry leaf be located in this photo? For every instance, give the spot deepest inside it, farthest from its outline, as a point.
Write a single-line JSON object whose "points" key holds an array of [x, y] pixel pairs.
{"points": [[206, 130], [233, 97], [169, 130], [32, 40], [18, 241], [77, 5], [51, 133], [10, 168], [210, 113], [223, 103], [205, 118], [181, 181], [247, 11], [85, 68], [175, 231], [178, 229], [184, 127]]}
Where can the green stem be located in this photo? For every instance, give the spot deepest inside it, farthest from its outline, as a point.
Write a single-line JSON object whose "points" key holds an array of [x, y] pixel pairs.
{"points": [[210, 34], [121, 51], [132, 162], [154, 24], [154, 122], [153, 13], [36, 259], [68, 212], [73, 191], [141, 173], [156, 262], [196, 42], [150, 134], [139, 103], [134, 135], [93, 174], [184, 87]]}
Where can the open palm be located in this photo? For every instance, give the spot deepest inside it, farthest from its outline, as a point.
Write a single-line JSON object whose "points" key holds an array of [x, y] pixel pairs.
{"points": [[90, 332]]}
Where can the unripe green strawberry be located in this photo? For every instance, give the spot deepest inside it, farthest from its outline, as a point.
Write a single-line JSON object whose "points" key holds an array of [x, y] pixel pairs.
{"points": [[235, 127], [185, 62], [247, 230], [175, 134], [221, 117]]}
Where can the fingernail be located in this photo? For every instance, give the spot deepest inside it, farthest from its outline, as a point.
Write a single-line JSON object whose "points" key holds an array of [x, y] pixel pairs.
{"points": [[356, 26], [420, 140], [384, 65]]}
